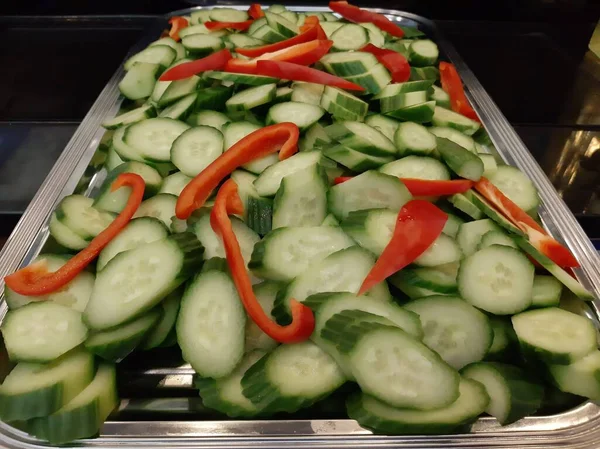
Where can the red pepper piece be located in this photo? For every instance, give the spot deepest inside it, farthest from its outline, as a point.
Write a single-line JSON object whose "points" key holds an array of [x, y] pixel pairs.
{"points": [[538, 237], [357, 15], [255, 11], [313, 22], [303, 320], [282, 137], [177, 24], [36, 280], [306, 53], [395, 62], [427, 187], [296, 72], [309, 35], [453, 86], [216, 61], [418, 225], [240, 26]]}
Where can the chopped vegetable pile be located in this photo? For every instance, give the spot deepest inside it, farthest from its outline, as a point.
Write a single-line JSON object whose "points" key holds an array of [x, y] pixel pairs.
{"points": [[300, 201]]}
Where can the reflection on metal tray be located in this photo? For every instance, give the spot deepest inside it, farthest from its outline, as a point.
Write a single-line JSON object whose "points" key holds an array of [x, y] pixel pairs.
{"points": [[160, 408]]}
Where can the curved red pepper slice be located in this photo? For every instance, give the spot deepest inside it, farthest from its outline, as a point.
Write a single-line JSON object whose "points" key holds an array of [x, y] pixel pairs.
{"points": [[303, 320], [297, 72], [313, 22], [282, 137], [452, 84], [358, 15], [216, 61], [538, 237], [255, 11], [418, 225], [240, 26], [395, 62], [309, 35], [177, 24], [427, 187], [36, 280]]}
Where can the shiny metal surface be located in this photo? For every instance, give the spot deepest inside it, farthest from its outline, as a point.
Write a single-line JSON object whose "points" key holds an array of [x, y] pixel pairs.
{"points": [[160, 407]]}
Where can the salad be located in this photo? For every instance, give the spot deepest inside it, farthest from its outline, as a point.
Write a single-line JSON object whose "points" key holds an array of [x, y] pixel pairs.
{"points": [[302, 203]]}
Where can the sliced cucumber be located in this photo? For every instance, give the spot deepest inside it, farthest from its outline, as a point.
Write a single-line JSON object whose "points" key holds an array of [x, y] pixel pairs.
{"points": [[547, 291], [580, 377], [516, 186], [196, 148], [166, 324], [78, 214], [174, 184], [443, 250], [451, 119], [161, 207], [270, 179], [418, 167], [153, 137], [470, 235], [304, 115], [255, 338]]}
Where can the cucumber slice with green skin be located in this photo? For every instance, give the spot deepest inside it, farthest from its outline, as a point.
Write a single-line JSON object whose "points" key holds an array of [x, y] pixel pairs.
{"points": [[375, 352], [567, 280], [343, 100], [174, 184], [42, 332], [174, 90], [181, 108], [516, 186], [138, 83], [329, 28], [454, 329], [395, 89], [413, 138], [471, 234], [422, 53], [304, 115], [418, 113], [138, 231], [282, 25], [244, 41], [78, 213], [452, 225], [349, 37], [330, 221], [213, 245], [226, 394], [201, 45], [355, 160], [154, 137], [440, 96], [84, 415], [442, 251], [424, 73], [580, 377], [161, 207], [196, 148], [403, 100], [31, 390], [547, 291], [213, 98], [301, 199], [255, 338], [268, 34], [307, 92], [502, 347], [369, 190], [418, 167], [125, 152], [287, 252], [497, 279], [162, 55], [488, 210], [240, 78], [385, 125], [136, 280], [451, 119], [513, 395], [429, 278], [382, 418], [258, 211], [361, 137], [196, 29], [347, 63], [489, 164], [371, 228], [166, 323], [496, 238], [179, 49], [228, 15], [199, 17], [464, 204], [115, 344], [136, 115], [291, 377], [112, 159], [75, 294], [339, 112], [283, 94], [342, 271], [410, 290], [270, 179], [374, 81], [234, 132], [376, 36], [115, 201], [462, 162], [210, 118], [315, 135], [554, 335], [455, 136], [251, 98], [211, 323]]}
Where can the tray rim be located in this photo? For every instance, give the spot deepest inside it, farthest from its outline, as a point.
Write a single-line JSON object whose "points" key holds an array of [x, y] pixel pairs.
{"points": [[577, 427]]}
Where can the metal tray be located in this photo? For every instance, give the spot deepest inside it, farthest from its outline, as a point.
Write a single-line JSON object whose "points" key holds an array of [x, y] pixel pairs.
{"points": [[159, 406]]}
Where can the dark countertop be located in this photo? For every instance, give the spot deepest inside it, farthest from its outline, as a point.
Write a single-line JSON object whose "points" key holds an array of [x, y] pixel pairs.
{"points": [[546, 84]]}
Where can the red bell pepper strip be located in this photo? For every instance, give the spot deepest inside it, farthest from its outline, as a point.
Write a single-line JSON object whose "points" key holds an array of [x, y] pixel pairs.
{"points": [[282, 137], [216, 61], [255, 11], [418, 225], [36, 280], [395, 62], [309, 35], [303, 320], [538, 237], [177, 24], [306, 53], [453, 86], [358, 15], [313, 22], [296, 72], [427, 187], [240, 26]]}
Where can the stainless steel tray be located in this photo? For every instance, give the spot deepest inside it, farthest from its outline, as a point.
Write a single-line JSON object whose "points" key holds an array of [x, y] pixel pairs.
{"points": [[160, 407]]}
